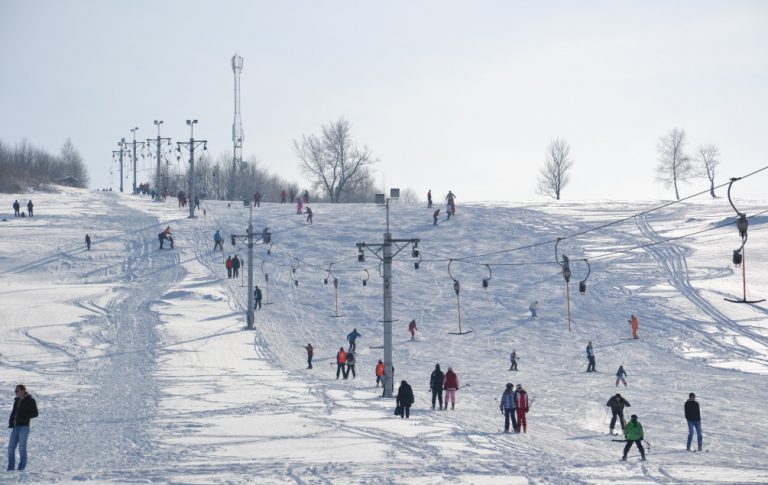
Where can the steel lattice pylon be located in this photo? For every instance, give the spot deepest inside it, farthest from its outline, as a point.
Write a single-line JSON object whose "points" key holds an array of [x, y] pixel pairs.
{"points": [[237, 126]]}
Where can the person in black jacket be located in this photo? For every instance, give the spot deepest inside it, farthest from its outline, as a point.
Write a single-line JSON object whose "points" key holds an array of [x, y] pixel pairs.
{"points": [[436, 386], [24, 409], [405, 399], [30, 205], [16, 207], [693, 416], [236, 267], [88, 241], [617, 405]]}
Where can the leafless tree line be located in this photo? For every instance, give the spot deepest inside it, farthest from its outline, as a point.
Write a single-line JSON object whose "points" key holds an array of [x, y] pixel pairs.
{"points": [[675, 165], [24, 166]]}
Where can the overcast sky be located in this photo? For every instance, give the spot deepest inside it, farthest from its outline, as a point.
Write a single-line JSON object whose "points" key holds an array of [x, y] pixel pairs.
{"points": [[448, 95]]}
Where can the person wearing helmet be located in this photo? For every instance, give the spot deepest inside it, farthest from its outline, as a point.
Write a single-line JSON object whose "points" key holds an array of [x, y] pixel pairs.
{"points": [[507, 406], [634, 435], [521, 403]]}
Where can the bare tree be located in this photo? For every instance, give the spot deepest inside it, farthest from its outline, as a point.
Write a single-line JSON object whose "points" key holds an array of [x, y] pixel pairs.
{"points": [[707, 159], [333, 162], [553, 176], [674, 165]]}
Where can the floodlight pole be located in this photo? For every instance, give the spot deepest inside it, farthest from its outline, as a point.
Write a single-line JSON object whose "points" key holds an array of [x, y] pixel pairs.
{"points": [[121, 144], [134, 130], [158, 142], [191, 145]]}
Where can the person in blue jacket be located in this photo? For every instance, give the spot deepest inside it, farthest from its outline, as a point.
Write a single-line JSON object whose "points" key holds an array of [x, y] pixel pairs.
{"points": [[217, 241], [352, 338]]}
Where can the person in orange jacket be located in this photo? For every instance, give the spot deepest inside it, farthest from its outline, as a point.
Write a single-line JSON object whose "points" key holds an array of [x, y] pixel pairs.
{"points": [[341, 362], [633, 322], [379, 372]]}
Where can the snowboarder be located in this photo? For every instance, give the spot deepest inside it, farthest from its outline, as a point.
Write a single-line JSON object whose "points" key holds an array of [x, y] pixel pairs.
{"points": [[88, 242], [634, 435], [24, 409], [236, 266], [405, 399], [310, 354], [341, 362], [309, 214], [352, 338], [533, 308], [436, 386], [299, 206], [379, 372], [257, 298], [507, 407], [621, 375], [522, 406], [429, 199], [693, 416], [228, 264], [350, 365], [513, 360], [30, 205], [450, 384], [16, 208], [633, 322], [217, 241], [617, 405], [590, 358], [435, 216], [412, 328], [282, 197]]}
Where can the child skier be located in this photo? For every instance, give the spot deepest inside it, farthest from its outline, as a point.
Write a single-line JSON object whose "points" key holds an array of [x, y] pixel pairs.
{"points": [[620, 376], [513, 360]]}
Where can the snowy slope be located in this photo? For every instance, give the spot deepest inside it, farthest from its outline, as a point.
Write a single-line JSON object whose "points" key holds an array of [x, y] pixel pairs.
{"points": [[143, 371]]}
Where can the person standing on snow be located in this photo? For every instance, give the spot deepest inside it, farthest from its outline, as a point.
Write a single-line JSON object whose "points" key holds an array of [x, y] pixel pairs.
{"points": [[16, 209], [309, 214], [522, 406], [405, 399], [513, 360], [451, 198], [299, 206], [507, 407], [352, 338], [412, 328], [379, 372], [341, 362], [634, 435], [693, 416], [236, 263], [590, 358], [310, 354], [350, 365], [434, 216], [24, 409], [429, 199], [306, 197], [621, 375], [228, 263], [451, 385], [88, 242], [436, 386], [257, 298], [282, 197], [633, 323], [217, 241], [30, 205], [257, 198], [617, 405], [534, 306]]}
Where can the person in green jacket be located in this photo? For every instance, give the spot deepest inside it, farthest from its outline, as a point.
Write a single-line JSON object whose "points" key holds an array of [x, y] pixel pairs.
{"points": [[634, 434]]}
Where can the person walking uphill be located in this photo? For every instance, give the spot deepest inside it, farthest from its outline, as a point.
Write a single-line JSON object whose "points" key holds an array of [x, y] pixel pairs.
{"points": [[310, 354], [590, 358], [24, 409], [217, 241], [405, 399], [621, 375], [352, 339], [617, 405], [436, 386], [634, 435], [341, 362], [693, 416], [507, 406], [228, 264], [522, 406], [450, 384]]}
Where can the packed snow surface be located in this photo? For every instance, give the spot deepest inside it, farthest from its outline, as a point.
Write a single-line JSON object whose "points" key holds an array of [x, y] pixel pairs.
{"points": [[143, 370]]}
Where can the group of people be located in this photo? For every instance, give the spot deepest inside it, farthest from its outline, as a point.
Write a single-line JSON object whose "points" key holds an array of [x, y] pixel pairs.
{"points": [[514, 405], [233, 266], [17, 209], [450, 206]]}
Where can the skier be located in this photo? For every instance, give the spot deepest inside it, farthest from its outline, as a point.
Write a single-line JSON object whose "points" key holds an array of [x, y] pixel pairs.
{"points": [[30, 205], [436, 386], [350, 365], [257, 199], [16, 208], [513, 360], [88, 242], [299, 206], [590, 358], [309, 214], [412, 328], [310, 354], [24, 409], [352, 338], [534, 306], [236, 266], [522, 405], [693, 416], [434, 216], [405, 399], [507, 407], [228, 264], [341, 361], [282, 197], [429, 199], [379, 372], [217, 241], [633, 322], [620, 376], [257, 297], [634, 434], [617, 405], [450, 384]]}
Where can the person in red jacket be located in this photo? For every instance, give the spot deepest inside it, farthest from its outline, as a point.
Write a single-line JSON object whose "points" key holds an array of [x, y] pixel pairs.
{"points": [[379, 372], [228, 264], [521, 403], [450, 384], [412, 328]]}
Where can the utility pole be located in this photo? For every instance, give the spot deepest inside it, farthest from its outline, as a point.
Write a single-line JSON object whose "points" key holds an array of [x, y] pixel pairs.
{"points": [[237, 128], [190, 146], [248, 237], [384, 253], [121, 144], [158, 144], [133, 130]]}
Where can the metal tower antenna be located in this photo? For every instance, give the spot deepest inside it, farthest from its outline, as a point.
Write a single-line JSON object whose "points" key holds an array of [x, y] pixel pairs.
{"points": [[237, 126]]}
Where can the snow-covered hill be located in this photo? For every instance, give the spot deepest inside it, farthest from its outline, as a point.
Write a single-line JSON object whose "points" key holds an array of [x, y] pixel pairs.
{"points": [[142, 369]]}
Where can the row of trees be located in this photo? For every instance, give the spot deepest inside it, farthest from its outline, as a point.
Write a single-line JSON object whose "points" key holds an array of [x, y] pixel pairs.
{"points": [[24, 166], [675, 165]]}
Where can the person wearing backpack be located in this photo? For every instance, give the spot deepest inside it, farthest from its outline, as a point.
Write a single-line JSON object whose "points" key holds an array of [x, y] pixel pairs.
{"points": [[507, 407], [634, 435], [436, 386]]}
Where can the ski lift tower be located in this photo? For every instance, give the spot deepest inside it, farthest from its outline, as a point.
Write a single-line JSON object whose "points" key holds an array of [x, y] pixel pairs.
{"points": [[237, 127]]}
